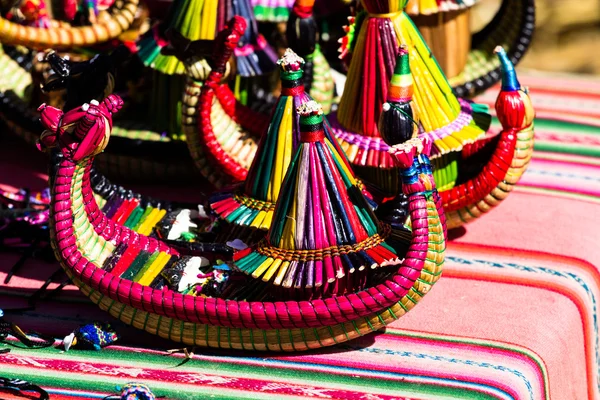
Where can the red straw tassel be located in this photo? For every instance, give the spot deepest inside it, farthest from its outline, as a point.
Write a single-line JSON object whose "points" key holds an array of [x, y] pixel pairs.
{"points": [[125, 260], [125, 215]]}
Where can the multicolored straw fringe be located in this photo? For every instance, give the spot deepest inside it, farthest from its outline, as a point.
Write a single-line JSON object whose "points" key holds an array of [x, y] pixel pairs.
{"points": [[272, 10], [194, 19], [254, 56], [427, 7], [323, 228], [440, 112], [253, 203]]}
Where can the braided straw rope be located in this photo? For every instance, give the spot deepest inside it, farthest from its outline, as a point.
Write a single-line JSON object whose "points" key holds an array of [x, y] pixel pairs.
{"points": [[121, 17]]}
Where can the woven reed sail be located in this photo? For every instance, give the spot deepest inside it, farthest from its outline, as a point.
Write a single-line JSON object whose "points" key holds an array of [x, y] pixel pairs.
{"points": [[323, 228], [272, 10], [448, 120], [252, 203]]}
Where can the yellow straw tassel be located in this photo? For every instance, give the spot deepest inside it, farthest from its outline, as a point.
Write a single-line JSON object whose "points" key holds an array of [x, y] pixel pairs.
{"points": [[281, 274], [262, 267], [274, 268], [154, 269]]}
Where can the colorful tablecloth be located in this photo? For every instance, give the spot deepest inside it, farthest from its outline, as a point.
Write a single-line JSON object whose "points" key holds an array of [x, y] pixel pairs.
{"points": [[514, 316]]}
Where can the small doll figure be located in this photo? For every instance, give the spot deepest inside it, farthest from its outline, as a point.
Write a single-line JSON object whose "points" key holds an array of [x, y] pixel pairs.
{"points": [[91, 336]]}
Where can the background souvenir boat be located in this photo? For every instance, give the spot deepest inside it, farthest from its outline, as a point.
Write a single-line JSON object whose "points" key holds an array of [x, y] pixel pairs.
{"points": [[205, 321], [453, 124], [141, 213], [512, 27], [140, 154], [120, 17]]}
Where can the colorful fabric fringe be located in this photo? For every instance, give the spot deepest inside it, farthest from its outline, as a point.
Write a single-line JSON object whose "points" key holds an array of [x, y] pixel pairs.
{"points": [[450, 122], [272, 10], [323, 228]]}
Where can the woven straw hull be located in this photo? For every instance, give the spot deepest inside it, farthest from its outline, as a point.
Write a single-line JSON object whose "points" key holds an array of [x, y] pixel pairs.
{"points": [[287, 340], [84, 239], [121, 16], [145, 317]]}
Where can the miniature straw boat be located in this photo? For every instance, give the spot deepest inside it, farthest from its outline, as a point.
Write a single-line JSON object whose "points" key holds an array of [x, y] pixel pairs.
{"points": [[137, 152], [138, 279], [454, 125]]}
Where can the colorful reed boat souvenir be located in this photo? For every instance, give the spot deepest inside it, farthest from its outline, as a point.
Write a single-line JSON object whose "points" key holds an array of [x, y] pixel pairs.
{"points": [[197, 20], [187, 294], [453, 124]]}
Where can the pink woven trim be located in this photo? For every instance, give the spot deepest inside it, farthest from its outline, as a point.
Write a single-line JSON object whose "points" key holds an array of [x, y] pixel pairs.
{"points": [[463, 119]]}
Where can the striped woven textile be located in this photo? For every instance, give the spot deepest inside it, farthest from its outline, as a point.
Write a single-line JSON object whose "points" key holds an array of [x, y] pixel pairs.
{"points": [[513, 317]]}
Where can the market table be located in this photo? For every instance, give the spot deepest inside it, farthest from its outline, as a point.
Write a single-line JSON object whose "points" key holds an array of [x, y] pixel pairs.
{"points": [[514, 316]]}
